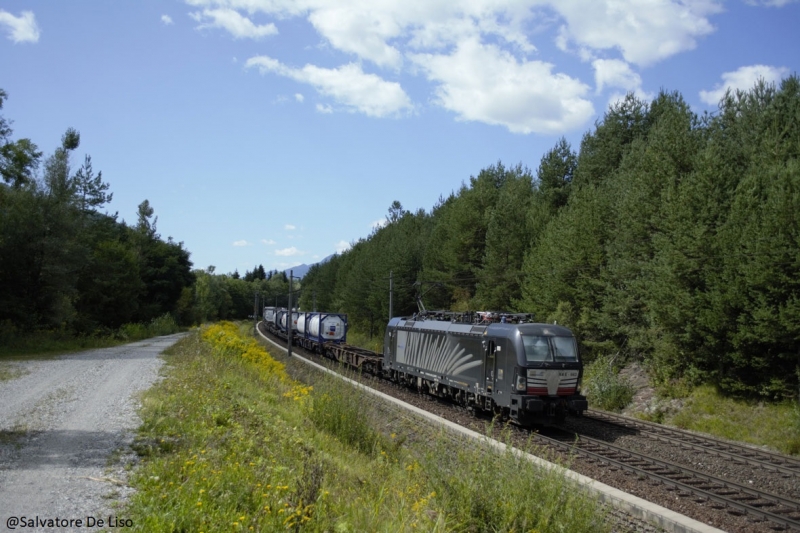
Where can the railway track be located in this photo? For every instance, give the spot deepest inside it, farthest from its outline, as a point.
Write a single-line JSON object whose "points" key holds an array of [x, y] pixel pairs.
{"points": [[752, 508], [775, 462], [735, 498]]}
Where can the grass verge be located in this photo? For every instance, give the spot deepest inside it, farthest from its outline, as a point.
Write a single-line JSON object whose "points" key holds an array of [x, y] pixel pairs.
{"points": [[17, 345], [773, 425], [231, 443]]}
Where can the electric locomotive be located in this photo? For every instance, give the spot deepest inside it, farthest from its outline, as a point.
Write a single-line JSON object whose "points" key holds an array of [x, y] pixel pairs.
{"points": [[499, 363], [528, 372]]}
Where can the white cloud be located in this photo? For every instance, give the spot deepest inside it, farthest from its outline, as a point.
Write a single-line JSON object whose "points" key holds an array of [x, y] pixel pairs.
{"points": [[381, 222], [484, 83], [615, 73], [348, 85], [289, 227], [645, 32], [166, 19], [377, 30], [744, 79], [501, 83], [241, 243], [299, 97], [288, 251], [342, 246], [380, 31], [268, 242], [361, 31], [234, 22], [618, 74], [20, 29]]}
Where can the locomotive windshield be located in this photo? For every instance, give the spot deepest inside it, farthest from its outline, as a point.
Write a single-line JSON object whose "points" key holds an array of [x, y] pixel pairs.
{"points": [[542, 349]]}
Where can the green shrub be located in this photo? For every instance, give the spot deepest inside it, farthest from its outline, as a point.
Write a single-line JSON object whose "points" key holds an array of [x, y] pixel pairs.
{"points": [[132, 332], [604, 387], [163, 325]]}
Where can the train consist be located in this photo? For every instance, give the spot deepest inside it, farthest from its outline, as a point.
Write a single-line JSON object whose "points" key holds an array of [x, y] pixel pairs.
{"points": [[499, 363]]}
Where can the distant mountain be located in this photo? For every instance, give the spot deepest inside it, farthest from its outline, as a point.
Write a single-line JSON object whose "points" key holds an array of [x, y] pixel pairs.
{"points": [[298, 271], [301, 270]]}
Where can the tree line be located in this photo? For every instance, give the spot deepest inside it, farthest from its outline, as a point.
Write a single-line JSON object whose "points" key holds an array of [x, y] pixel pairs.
{"points": [[667, 237], [67, 266], [231, 296]]}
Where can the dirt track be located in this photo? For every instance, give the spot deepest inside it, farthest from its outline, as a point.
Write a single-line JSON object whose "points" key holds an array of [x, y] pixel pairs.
{"points": [[65, 425]]}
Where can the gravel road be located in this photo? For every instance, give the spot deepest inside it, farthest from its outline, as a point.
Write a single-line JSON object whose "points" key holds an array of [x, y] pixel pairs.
{"points": [[65, 428]]}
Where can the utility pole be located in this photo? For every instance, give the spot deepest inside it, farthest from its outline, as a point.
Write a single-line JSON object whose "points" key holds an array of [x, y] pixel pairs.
{"points": [[314, 307], [255, 310], [391, 289], [289, 332]]}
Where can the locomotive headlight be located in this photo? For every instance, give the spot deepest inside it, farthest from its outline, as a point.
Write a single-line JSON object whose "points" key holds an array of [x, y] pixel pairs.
{"points": [[521, 382]]}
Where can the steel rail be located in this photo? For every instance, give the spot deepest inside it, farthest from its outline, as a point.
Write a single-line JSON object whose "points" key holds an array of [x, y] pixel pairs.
{"points": [[721, 491], [761, 458]]}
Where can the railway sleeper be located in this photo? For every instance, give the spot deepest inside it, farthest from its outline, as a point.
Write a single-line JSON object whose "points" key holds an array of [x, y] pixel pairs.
{"points": [[794, 514], [744, 498], [764, 504], [698, 483]]}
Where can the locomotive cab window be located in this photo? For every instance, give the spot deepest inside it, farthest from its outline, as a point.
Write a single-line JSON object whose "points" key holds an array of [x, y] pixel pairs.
{"points": [[537, 348], [565, 348], [540, 349]]}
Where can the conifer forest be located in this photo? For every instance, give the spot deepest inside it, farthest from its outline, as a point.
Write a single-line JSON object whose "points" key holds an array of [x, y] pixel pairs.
{"points": [[667, 238]]}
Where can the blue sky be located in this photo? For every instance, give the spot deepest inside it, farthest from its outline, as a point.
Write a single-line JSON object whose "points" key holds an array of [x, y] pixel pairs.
{"points": [[277, 132]]}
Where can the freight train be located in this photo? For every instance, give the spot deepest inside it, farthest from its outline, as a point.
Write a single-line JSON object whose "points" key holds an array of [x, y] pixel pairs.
{"points": [[499, 363]]}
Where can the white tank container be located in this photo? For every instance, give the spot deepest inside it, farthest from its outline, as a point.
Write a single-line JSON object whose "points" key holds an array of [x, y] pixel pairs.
{"points": [[326, 327], [301, 323]]}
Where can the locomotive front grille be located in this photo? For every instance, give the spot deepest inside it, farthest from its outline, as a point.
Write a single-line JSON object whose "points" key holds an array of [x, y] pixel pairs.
{"points": [[552, 382]]}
